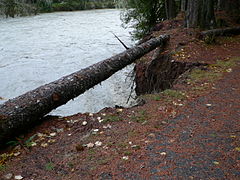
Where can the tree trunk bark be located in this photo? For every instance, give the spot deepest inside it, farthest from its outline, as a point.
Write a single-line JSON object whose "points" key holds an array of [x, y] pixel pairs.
{"points": [[20, 113], [220, 32], [200, 13], [170, 9], [184, 5]]}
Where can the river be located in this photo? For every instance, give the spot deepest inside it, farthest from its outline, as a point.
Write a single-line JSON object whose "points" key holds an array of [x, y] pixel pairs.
{"points": [[39, 49]]}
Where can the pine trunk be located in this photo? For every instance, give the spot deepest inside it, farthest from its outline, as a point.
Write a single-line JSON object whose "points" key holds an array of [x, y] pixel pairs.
{"points": [[170, 9], [19, 114]]}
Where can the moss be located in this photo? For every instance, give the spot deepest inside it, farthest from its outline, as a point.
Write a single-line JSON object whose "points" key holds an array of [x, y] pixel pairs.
{"points": [[112, 118], [174, 94], [198, 75], [49, 166], [141, 117]]}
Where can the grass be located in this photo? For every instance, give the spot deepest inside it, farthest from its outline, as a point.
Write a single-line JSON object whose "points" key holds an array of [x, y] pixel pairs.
{"points": [[141, 117], [174, 94], [2, 167], [198, 75], [112, 118], [49, 166]]}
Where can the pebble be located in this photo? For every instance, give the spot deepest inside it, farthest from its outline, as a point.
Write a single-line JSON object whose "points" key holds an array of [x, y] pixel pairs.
{"points": [[208, 105]]}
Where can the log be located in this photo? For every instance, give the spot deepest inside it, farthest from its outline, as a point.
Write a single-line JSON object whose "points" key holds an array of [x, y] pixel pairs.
{"points": [[219, 32], [21, 113]]}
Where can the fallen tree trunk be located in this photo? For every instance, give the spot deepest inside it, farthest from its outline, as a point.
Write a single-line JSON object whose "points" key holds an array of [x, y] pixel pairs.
{"points": [[219, 32], [20, 113]]}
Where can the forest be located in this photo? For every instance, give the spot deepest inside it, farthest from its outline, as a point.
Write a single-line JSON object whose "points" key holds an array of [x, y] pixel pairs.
{"points": [[11, 8]]}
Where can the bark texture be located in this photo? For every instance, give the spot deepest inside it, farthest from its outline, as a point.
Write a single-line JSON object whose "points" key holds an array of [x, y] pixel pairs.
{"points": [[20, 113], [170, 9], [200, 13], [219, 32]]}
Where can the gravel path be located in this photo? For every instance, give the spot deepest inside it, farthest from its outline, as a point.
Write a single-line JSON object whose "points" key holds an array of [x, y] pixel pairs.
{"points": [[203, 142]]}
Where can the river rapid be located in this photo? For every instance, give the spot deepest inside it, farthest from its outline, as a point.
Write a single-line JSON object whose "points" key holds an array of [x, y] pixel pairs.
{"points": [[39, 49]]}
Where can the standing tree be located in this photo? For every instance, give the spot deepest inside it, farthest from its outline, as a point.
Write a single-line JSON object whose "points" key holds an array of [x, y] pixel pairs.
{"points": [[200, 13], [143, 15], [170, 6]]}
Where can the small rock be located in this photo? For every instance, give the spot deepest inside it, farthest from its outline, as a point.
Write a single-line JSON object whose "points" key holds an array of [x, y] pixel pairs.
{"points": [[103, 114], [69, 134], [84, 123], [125, 158], [8, 176], [19, 177], [130, 143], [95, 130], [208, 105]]}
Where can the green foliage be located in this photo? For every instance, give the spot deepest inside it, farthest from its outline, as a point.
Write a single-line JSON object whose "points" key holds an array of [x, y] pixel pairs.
{"points": [[2, 167], [20, 141], [174, 94], [49, 166], [143, 15]]}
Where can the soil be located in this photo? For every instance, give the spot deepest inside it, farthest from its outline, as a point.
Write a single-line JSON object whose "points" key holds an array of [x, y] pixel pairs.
{"points": [[189, 132]]}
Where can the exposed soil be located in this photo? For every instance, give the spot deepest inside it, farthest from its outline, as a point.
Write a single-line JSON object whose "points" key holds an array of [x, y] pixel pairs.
{"points": [[189, 132]]}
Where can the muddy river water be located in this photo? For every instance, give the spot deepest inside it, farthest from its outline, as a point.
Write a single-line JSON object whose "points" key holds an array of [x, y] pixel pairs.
{"points": [[39, 49]]}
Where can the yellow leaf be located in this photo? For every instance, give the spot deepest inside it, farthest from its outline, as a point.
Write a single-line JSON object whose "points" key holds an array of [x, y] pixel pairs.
{"points": [[237, 149]]}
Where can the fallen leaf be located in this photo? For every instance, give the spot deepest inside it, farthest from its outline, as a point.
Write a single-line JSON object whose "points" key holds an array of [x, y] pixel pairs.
{"points": [[84, 123], [98, 143], [237, 149], [125, 158], [19, 177], [90, 145]]}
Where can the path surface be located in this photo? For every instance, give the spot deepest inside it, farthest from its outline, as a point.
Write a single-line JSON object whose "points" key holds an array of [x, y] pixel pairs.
{"points": [[201, 143]]}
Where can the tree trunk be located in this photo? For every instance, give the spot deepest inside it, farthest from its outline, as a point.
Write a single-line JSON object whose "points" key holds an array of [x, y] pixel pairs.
{"points": [[219, 32], [200, 13], [170, 9], [20, 113], [184, 5]]}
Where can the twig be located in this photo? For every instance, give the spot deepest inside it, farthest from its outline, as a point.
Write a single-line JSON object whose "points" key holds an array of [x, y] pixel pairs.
{"points": [[120, 41]]}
